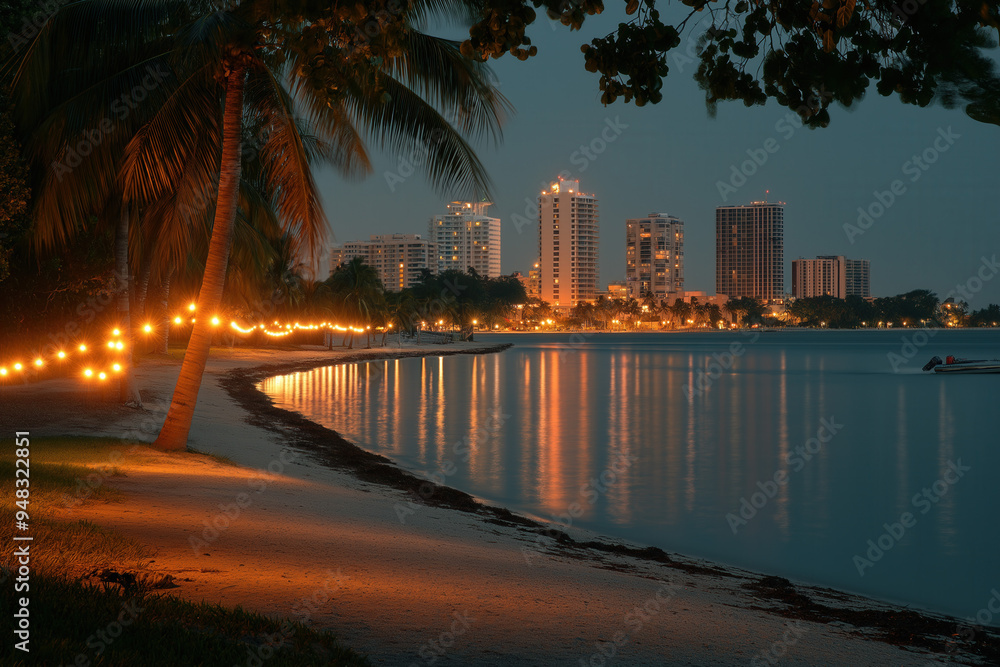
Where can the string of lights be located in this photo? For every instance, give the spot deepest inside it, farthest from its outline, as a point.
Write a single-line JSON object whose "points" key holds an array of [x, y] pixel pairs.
{"points": [[98, 370], [61, 358]]}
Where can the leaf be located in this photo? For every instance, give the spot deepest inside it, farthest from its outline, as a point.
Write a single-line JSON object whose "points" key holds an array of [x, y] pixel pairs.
{"points": [[631, 7], [828, 43]]}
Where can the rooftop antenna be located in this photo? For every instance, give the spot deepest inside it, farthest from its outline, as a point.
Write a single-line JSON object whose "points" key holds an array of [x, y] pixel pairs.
{"points": [[766, 192]]}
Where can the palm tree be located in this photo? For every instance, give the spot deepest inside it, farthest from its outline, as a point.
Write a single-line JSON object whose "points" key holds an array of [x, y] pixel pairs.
{"points": [[602, 307], [259, 60], [682, 311], [357, 292]]}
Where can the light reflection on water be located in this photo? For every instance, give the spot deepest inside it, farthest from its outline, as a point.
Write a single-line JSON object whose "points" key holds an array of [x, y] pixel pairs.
{"points": [[535, 428]]}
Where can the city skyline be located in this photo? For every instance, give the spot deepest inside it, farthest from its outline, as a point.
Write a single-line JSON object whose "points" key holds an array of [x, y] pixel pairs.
{"points": [[672, 157]]}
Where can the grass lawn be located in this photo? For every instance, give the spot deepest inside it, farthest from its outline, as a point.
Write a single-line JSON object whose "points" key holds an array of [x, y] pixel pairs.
{"points": [[73, 622]]}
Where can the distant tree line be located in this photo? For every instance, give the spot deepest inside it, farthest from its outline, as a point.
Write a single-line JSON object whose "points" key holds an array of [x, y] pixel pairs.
{"points": [[354, 292], [915, 308]]}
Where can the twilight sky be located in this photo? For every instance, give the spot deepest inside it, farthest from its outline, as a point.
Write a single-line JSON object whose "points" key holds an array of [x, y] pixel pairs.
{"points": [[670, 158]]}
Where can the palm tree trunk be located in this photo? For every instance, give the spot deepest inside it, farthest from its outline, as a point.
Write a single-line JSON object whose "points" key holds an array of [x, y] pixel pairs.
{"points": [[128, 393], [174, 434], [141, 289], [165, 312]]}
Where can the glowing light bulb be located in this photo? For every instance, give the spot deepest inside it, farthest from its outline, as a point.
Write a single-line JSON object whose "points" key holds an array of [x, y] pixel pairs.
{"points": [[61, 354], [147, 328], [111, 344], [119, 345], [88, 372], [191, 307], [102, 375], [18, 366], [116, 332], [215, 321], [39, 362], [177, 320], [117, 368], [82, 348], [3, 372]]}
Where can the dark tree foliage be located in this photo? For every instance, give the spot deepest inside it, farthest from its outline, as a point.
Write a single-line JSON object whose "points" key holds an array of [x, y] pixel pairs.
{"points": [[985, 317], [915, 308], [14, 219], [462, 297], [805, 55], [59, 300]]}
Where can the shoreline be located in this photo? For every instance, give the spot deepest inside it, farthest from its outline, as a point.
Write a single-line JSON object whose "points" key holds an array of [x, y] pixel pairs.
{"points": [[242, 384], [870, 619]]}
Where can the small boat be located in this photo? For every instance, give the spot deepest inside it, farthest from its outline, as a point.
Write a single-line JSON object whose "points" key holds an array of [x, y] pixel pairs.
{"points": [[963, 366]]}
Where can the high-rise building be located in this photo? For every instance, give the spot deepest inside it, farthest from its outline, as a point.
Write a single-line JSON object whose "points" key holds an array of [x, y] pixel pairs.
{"points": [[466, 236], [858, 278], [568, 235], [750, 251], [824, 276], [654, 255], [831, 275], [399, 259]]}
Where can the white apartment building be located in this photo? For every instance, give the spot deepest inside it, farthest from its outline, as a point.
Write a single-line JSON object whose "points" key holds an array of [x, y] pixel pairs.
{"points": [[398, 258], [832, 275], [466, 236], [568, 235], [654, 255]]}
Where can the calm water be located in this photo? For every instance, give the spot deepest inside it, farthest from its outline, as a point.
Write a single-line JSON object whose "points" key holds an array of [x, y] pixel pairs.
{"points": [[683, 433]]}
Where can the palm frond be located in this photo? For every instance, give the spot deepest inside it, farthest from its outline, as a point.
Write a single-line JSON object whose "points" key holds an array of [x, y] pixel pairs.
{"points": [[435, 69], [398, 120]]}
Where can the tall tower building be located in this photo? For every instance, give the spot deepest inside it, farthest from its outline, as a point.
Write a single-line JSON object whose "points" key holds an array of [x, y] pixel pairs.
{"points": [[858, 278], [750, 251], [654, 255], [567, 244], [466, 236]]}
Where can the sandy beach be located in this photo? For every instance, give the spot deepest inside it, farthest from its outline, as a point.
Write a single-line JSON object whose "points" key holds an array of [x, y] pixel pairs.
{"points": [[302, 524]]}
